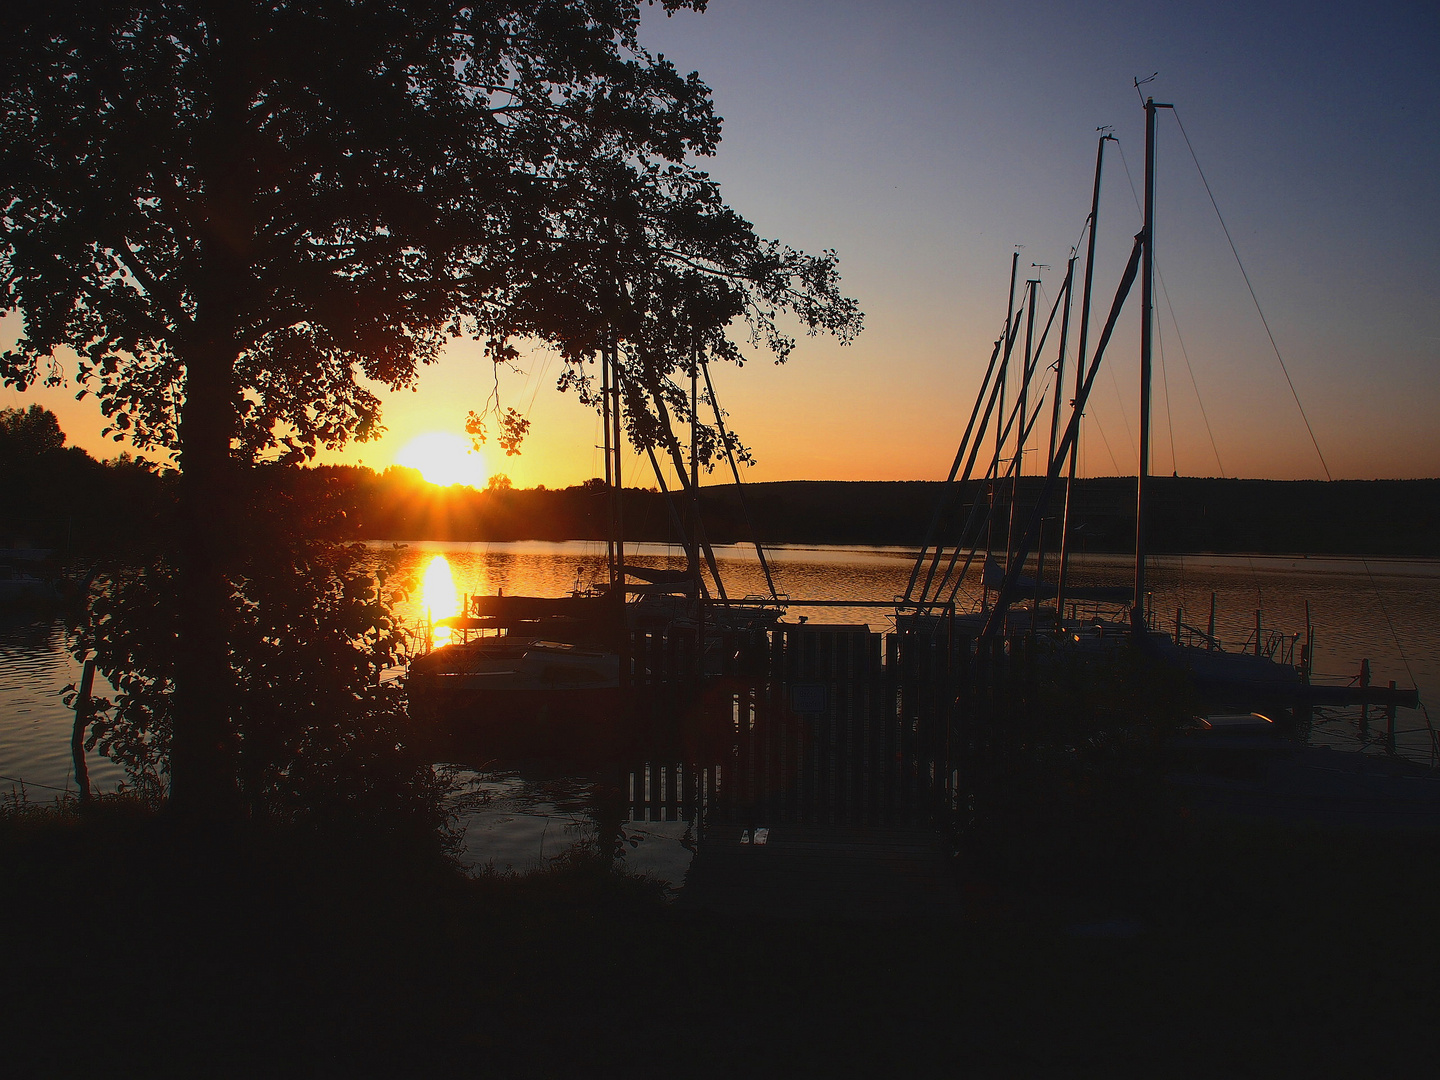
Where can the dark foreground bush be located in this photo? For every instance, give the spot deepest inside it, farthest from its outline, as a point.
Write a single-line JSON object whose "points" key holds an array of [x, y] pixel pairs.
{"points": [[133, 950]]}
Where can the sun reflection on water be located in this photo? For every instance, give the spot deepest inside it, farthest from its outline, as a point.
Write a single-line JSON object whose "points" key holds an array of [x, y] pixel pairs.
{"points": [[440, 598]]}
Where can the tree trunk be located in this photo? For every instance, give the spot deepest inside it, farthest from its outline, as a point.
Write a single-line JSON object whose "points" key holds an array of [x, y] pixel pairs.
{"points": [[203, 757]]}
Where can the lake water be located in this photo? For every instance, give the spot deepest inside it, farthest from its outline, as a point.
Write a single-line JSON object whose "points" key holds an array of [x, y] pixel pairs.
{"points": [[523, 816]]}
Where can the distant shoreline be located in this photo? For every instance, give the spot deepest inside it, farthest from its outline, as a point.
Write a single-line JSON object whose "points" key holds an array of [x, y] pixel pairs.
{"points": [[1295, 518], [66, 501], [910, 551]]}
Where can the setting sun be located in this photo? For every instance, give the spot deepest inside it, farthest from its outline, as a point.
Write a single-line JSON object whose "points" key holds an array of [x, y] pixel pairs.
{"points": [[444, 459]]}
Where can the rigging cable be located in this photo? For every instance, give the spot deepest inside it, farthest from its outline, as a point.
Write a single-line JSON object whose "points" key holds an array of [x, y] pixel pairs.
{"points": [[1249, 561], [1399, 646], [1165, 390], [1263, 321], [1164, 372], [1095, 422], [1199, 400]]}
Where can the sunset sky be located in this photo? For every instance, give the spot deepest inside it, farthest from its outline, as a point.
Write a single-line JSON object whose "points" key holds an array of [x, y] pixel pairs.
{"points": [[924, 141]]}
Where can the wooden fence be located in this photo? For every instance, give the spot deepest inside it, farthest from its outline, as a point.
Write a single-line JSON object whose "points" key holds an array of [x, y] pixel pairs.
{"points": [[818, 724]]}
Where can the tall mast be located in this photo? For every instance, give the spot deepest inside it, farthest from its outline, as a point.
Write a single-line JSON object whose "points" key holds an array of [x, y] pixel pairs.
{"points": [[1147, 304], [1004, 369], [695, 459], [1033, 287], [1060, 360], [617, 440], [1080, 371], [1068, 290], [739, 487], [609, 464]]}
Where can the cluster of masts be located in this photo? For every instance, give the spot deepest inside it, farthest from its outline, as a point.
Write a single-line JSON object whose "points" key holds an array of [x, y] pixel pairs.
{"points": [[936, 577], [687, 520]]}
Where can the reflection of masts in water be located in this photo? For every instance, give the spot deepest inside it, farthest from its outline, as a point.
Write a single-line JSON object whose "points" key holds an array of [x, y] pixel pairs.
{"points": [[1079, 373]]}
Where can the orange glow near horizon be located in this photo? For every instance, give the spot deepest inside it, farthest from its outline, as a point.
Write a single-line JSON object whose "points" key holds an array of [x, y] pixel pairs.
{"points": [[440, 598], [444, 459]]}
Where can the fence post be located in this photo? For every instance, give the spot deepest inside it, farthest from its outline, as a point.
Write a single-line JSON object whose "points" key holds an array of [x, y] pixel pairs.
{"points": [[1390, 721], [1364, 705]]}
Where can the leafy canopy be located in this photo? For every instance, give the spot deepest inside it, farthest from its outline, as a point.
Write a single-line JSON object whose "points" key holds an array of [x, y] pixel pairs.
{"points": [[327, 190]]}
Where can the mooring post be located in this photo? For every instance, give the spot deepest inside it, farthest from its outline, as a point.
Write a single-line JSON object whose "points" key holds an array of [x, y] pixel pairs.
{"points": [[1390, 720], [1309, 657], [1364, 705], [1305, 711], [1179, 622], [1257, 631], [1211, 633], [77, 736]]}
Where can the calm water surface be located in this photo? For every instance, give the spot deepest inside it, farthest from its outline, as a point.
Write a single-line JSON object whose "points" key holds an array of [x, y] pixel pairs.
{"points": [[522, 818]]}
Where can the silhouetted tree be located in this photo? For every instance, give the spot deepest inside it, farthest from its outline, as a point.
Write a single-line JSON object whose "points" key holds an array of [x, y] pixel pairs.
{"points": [[233, 211], [26, 434]]}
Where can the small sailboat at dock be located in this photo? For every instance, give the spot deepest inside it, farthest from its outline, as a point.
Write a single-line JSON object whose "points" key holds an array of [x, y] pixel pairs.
{"points": [[577, 657], [1017, 603]]}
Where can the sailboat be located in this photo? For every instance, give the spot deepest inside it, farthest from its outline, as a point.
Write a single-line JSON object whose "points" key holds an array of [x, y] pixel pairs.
{"points": [[1235, 679], [526, 658]]}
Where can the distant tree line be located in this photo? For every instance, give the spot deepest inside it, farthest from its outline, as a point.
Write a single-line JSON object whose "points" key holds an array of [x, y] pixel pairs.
{"points": [[60, 497], [1375, 517]]}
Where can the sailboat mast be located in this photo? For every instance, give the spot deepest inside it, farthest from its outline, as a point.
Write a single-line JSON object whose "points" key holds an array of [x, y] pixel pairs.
{"points": [[695, 457], [1067, 290], [1147, 306], [739, 487], [1032, 286], [609, 469], [1004, 370], [1060, 360], [618, 443], [1080, 371]]}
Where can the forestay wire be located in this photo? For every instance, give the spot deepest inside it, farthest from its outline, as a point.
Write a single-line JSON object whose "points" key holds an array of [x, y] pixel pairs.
{"points": [[1254, 299], [1399, 646]]}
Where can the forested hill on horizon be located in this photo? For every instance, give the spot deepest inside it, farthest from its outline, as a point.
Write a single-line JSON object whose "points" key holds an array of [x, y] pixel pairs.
{"points": [[62, 498], [1351, 517]]}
